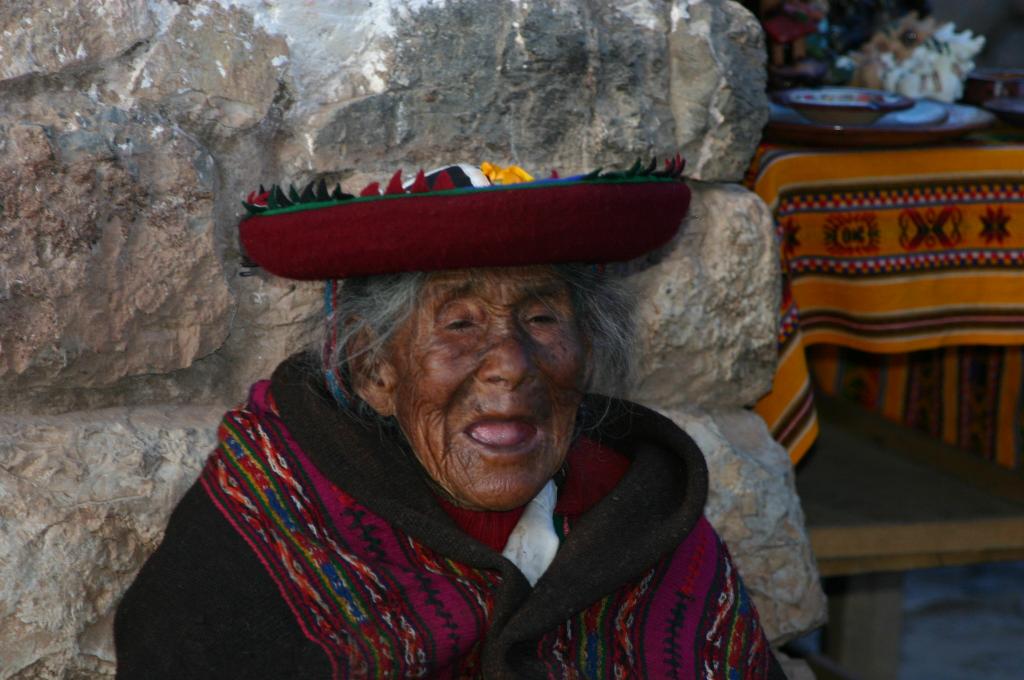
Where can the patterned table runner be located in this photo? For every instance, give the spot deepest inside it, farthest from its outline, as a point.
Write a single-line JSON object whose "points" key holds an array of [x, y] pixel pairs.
{"points": [[916, 255]]}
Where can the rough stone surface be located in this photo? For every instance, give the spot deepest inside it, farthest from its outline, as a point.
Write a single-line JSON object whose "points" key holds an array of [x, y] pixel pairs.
{"points": [[53, 36], [84, 498], [709, 308], [718, 82], [108, 265], [545, 84], [282, 317], [212, 70], [754, 506]]}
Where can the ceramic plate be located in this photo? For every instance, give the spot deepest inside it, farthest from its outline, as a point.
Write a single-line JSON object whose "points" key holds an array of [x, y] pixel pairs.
{"points": [[928, 121], [1010, 109]]}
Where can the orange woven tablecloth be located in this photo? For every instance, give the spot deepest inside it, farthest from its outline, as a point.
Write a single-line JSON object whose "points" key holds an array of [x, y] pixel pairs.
{"points": [[913, 254]]}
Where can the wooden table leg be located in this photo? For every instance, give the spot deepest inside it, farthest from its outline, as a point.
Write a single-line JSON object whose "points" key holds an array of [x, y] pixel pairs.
{"points": [[865, 623]]}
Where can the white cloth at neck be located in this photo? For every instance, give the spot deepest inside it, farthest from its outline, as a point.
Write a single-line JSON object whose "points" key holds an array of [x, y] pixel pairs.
{"points": [[533, 542]]}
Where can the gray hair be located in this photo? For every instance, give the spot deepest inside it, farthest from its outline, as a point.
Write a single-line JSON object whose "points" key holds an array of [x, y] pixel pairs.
{"points": [[377, 306]]}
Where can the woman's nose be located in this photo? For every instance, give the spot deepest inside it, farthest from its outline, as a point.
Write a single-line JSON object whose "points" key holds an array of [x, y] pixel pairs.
{"points": [[507, 361]]}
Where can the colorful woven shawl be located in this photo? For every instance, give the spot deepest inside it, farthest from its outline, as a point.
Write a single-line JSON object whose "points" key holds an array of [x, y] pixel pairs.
{"points": [[380, 604]]}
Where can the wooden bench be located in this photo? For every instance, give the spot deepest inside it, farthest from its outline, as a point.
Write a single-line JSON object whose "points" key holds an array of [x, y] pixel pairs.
{"points": [[881, 499]]}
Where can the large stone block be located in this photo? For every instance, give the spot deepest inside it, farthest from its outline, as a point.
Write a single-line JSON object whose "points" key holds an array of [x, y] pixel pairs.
{"points": [[84, 499], [58, 35], [546, 84], [108, 265], [754, 506], [718, 84], [709, 307]]}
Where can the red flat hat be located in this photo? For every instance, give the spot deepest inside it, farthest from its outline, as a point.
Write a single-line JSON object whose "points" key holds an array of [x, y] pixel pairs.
{"points": [[433, 224]]}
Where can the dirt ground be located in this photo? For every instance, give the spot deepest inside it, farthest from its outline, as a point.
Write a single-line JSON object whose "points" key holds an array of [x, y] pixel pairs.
{"points": [[964, 623]]}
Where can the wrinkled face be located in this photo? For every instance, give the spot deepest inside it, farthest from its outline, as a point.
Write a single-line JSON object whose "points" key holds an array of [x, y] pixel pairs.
{"points": [[484, 380]]}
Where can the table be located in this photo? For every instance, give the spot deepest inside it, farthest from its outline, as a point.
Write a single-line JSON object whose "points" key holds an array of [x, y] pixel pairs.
{"points": [[881, 499], [903, 288]]}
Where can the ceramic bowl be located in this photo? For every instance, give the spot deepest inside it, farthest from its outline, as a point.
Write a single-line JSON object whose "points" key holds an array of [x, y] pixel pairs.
{"points": [[985, 84], [842, 105]]}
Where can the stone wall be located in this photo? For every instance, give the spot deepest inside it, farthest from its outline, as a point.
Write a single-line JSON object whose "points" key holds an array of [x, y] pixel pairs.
{"points": [[130, 129]]}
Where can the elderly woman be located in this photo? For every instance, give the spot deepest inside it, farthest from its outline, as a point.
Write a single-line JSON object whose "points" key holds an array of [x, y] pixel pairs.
{"points": [[441, 493]]}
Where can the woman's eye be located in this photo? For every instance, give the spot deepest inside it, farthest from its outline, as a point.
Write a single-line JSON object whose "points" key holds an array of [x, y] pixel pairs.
{"points": [[543, 319], [458, 325]]}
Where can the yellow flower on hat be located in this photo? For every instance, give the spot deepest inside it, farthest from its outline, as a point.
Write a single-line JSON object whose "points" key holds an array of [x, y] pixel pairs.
{"points": [[512, 174]]}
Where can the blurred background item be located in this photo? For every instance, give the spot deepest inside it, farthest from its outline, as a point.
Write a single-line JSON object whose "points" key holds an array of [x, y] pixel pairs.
{"points": [[1000, 21], [798, 53], [916, 57], [984, 84], [913, 47]]}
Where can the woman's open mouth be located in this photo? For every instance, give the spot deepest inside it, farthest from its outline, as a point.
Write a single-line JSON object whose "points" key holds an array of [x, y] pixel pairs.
{"points": [[502, 434]]}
